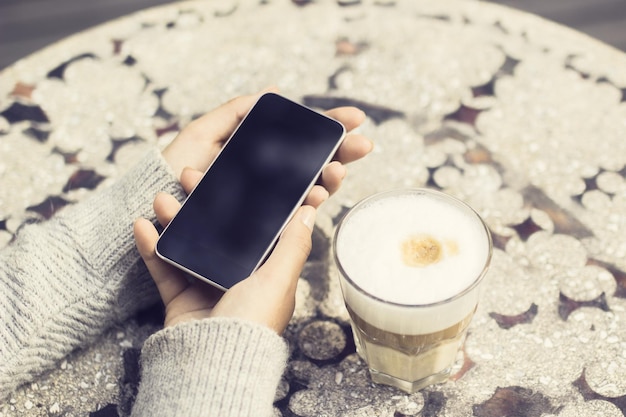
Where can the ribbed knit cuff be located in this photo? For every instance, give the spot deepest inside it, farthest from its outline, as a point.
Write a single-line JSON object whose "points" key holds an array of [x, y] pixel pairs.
{"points": [[63, 281], [212, 367]]}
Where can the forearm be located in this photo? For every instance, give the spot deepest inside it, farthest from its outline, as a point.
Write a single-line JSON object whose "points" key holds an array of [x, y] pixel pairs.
{"points": [[62, 282], [212, 367]]}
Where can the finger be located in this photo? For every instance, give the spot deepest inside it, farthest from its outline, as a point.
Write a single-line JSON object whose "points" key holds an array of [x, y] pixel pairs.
{"points": [[169, 280], [189, 178], [292, 250], [353, 147], [165, 207], [316, 196], [350, 117], [332, 176], [198, 144], [223, 120]]}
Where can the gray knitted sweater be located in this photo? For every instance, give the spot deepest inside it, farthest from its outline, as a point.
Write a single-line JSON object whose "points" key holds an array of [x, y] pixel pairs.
{"points": [[64, 281]]}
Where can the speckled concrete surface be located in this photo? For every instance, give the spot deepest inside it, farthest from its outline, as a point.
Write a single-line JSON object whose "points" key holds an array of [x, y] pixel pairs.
{"points": [[523, 119]]}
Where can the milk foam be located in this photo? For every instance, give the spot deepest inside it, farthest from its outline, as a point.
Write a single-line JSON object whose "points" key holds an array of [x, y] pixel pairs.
{"points": [[369, 248]]}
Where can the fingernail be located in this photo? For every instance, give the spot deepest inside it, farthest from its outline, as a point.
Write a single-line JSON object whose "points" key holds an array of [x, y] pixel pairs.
{"points": [[307, 216]]}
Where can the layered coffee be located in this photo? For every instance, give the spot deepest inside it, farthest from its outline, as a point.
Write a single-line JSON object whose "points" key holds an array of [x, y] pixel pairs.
{"points": [[411, 263]]}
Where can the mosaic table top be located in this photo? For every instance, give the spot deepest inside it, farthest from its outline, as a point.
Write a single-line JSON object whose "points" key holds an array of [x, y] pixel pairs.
{"points": [[522, 118]]}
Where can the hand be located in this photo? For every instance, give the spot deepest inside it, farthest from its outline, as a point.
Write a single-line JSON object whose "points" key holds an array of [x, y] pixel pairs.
{"points": [[268, 295], [199, 143]]}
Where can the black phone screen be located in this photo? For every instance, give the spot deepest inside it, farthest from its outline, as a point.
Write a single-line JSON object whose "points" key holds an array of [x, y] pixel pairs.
{"points": [[231, 220]]}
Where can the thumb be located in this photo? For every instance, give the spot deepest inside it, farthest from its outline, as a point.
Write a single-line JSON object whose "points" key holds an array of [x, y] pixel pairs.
{"points": [[293, 248]]}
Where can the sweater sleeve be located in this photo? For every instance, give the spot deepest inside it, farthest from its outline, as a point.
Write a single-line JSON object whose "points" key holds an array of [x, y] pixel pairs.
{"points": [[212, 367], [64, 281]]}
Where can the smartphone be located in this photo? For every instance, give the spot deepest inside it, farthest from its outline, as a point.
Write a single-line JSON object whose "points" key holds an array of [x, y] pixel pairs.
{"points": [[230, 222]]}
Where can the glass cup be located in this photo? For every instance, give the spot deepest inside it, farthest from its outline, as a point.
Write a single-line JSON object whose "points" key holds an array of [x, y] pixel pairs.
{"points": [[411, 265]]}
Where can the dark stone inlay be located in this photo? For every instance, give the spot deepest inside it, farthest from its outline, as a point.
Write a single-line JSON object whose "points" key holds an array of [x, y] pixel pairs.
{"points": [[431, 183], [49, 206], [69, 157], [591, 183], [83, 178], [618, 275], [464, 114], [441, 17], [332, 79], [59, 71], [117, 144], [526, 229], [583, 75], [564, 222], [568, 305], [445, 132], [487, 89], [109, 410], [516, 401], [590, 395], [161, 112], [3, 224], [129, 383], [498, 25], [378, 114], [347, 3], [321, 246], [151, 316], [283, 404], [18, 112], [434, 402], [37, 134], [506, 322], [507, 67], [172, 127], [117, 46], [130, 61], [342, 212], [499, 241]]}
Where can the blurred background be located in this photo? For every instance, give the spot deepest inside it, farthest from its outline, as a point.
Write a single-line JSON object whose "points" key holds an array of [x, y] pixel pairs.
{"points": [[29, 25]]}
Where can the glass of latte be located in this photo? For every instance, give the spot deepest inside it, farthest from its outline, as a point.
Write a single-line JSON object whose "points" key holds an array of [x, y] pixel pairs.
{"points": [[411, 265]]}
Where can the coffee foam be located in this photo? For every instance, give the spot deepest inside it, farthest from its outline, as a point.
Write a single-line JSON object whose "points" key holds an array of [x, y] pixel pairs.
{"points": [[371, 247]]}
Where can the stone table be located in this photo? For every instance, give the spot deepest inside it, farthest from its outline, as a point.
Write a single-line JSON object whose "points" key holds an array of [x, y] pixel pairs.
{"points": [[522, 118]]}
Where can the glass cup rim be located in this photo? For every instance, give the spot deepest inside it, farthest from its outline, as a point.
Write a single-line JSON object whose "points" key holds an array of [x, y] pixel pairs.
{"points": [[405, 191]]}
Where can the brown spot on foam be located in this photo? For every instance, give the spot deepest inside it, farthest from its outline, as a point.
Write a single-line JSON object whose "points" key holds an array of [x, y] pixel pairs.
{"points": [[421, 250]]}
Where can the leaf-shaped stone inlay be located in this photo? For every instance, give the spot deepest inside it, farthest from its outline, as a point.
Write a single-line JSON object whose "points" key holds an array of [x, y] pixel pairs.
{"points": [[567, 305], [83, 178], [378, 114], [464, 114], [527, 228], [506, 322], [590, 395], [618, 274], [49, 206], [18, 112], [516, 402]]}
